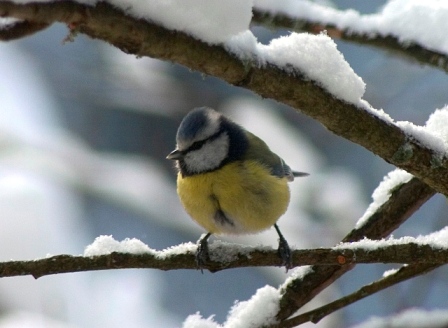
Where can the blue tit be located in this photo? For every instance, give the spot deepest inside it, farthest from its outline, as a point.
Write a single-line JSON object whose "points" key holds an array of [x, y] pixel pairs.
{"points": [[229, 181]]}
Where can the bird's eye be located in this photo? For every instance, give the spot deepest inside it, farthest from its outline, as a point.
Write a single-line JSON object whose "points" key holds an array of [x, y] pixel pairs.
{"points": [[197, 145]]}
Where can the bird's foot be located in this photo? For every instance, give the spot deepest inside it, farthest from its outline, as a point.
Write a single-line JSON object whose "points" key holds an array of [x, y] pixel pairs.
{"points": [[283, 251], [202, 253]]}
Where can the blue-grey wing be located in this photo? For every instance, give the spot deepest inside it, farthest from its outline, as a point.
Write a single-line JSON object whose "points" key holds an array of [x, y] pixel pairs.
{"points": [[260, 151]]}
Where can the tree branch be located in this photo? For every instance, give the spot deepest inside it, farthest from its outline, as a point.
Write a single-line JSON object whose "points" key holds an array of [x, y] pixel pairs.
{"points": [[20, 29], [405, 273], [413, 52], [403, 202], [139, 37], [242, 257]]}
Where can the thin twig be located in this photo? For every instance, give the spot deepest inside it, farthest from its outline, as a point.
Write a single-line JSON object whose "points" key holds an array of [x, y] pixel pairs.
{"points": [[405, 273]]}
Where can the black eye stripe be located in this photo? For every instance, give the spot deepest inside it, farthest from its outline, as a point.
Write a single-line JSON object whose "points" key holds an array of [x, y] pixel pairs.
{"points": [[198, 144]]}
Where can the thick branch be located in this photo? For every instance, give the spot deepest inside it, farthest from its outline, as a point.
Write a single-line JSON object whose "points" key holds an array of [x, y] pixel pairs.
{"points": [[131, 35], [142, 38], [247, 257], [414, 52], [403, 202]]}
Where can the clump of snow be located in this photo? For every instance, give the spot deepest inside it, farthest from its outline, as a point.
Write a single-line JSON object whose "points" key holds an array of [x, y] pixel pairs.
{"points": [[377, 112], [245, 314], [411, 21], [248, 314], [437, 123], [411, 318], [197, 321], [184, 248], [382, 193], [438, 240], [423, 136], [107, 244], [213, 21], [433, 135], [315, 55], [297, 274], [243, 44], [389, 272]]}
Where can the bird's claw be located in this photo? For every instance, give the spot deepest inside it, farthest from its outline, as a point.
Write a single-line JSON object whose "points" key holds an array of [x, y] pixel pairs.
{"points": [[202, 253], [284, 252]]}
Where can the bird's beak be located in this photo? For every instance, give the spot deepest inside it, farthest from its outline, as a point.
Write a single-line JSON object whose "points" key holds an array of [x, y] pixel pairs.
{"points": [[175, 155]]}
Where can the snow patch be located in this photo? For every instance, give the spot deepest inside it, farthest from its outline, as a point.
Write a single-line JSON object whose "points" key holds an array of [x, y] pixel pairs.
{"points": [[382, 193], [245, 314], [107, 244]]}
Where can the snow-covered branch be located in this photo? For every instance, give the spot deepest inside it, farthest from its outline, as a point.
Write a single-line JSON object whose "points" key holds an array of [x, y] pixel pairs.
{"points": [[226, 256], [404, 200], [403, 274], [355, 121], [345, 25]]}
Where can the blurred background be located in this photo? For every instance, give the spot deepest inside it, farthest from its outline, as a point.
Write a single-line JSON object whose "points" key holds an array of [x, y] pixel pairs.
{"points": [[84, 132]]}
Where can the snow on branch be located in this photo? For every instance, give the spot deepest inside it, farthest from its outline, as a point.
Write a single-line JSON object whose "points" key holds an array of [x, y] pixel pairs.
{"points": [[407, 20], [132, 253], [411, 29], [283, 81]]}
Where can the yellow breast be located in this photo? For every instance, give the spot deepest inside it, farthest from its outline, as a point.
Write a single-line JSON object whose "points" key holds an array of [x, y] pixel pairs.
{"points": [[250, 198]]}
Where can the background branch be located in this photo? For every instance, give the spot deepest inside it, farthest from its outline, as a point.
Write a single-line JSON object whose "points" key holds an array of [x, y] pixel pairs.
{"points": [[389, 43]]}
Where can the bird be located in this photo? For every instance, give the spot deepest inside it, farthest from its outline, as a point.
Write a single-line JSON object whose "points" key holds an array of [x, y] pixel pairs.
{"points": [[229, 181]]}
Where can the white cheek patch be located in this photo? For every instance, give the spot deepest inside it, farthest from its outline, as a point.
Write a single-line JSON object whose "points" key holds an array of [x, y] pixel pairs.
{"points": [[209, 156]]}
